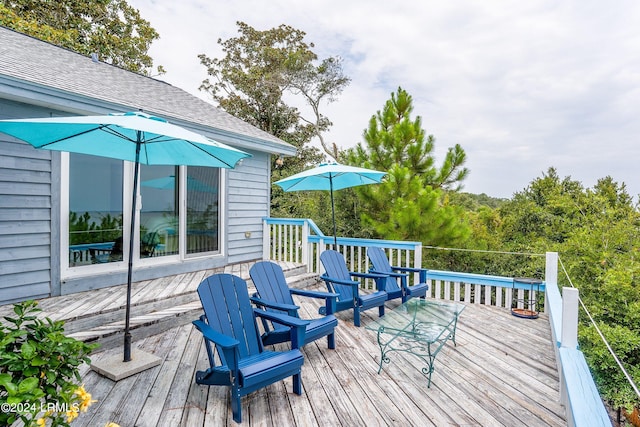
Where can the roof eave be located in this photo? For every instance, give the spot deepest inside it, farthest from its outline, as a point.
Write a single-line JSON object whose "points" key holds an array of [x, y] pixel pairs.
{"points": [[45, 96]]}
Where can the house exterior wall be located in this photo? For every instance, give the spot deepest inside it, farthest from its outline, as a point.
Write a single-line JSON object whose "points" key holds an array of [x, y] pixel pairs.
{"points": [[25, 214], [30, 220], [248, 203]]}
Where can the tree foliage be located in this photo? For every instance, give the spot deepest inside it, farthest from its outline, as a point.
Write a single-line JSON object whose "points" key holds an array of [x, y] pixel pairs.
{"points": [[261, 78], [110, 28], [259, 70], [412, 203], [596, 232]]}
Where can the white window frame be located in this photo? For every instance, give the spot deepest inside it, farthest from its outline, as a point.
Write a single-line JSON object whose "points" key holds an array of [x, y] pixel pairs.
{"points": [[69, 272]]}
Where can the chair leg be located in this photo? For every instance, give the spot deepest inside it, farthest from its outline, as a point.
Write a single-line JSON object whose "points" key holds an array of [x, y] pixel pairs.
{"points": [[331, 341], [297, 384], [236, 406], [356, 316], [381, 311]]}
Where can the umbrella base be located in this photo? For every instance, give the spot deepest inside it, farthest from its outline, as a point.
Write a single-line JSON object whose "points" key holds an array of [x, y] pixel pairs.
{"points": [[115, 369]]}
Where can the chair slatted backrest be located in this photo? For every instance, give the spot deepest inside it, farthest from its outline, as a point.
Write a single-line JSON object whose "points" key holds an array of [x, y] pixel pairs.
{"points": [[380, 264], [270, 282], [226, 304], [336, 268]]}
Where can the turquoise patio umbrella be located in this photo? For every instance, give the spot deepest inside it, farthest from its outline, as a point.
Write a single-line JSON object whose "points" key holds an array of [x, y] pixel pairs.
{"points": [[331, 176], [136, 137]]}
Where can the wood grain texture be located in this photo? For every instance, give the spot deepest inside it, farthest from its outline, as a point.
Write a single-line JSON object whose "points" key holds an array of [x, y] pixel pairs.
{"points": [[501, 373]]}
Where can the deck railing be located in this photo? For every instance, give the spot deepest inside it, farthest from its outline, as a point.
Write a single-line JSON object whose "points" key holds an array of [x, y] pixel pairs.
{"points": [[301, 241], [578, 392]]}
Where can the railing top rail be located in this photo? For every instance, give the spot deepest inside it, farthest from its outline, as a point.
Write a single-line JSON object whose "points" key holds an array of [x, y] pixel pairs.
{"points": [[351, 241], [346, 241], [292, 221], [481, 279]]}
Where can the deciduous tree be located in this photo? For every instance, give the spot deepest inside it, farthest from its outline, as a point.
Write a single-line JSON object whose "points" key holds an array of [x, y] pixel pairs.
{"points": [[266, 78], [111, 29], [260, 77], [596, 233]]}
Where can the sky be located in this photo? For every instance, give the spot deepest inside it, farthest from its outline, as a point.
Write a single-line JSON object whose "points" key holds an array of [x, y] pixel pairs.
{"points": [[521, 86]]}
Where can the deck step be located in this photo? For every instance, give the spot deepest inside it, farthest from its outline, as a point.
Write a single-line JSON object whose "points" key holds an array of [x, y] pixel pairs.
{"points": [[156, 316]]}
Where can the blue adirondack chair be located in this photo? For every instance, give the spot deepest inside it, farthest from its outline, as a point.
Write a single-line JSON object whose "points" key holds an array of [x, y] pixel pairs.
{"points": [[396, 281], [274, 294], [229, 322], [340, 280]]}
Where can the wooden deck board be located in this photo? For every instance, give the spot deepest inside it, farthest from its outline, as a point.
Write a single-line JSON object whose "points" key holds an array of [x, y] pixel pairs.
{"points": [[502, 372]]}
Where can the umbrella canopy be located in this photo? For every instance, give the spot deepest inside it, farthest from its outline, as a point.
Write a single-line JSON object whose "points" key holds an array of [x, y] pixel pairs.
{"points": [[117, 135], [331, 176], [135, 137]]}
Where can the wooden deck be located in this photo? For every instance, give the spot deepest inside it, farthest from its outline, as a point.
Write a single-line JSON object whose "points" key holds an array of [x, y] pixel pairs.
{"points": [[501, 373]]}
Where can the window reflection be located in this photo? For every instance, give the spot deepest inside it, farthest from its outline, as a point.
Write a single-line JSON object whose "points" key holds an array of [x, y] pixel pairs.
{"points": [[159, 213], [202, 209], [95, 210]]}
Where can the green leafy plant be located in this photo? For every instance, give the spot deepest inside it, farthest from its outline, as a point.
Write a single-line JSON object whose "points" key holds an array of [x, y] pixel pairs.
{"points": [[39, 376]]}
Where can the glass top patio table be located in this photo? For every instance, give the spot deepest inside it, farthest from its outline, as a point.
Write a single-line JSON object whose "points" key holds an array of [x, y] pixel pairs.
{"points": [[420, 327]]}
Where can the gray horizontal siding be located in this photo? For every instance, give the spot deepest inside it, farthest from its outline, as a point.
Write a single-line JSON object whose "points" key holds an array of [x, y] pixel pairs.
{"points": [[247, 203], [25, 215]]}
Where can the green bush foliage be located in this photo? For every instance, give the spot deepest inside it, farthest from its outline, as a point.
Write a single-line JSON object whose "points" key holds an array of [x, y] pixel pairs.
{"points": [[39, 377]]}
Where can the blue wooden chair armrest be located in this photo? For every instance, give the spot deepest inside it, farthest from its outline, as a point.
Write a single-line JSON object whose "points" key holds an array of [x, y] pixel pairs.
{"points": [[353, 283], [422, 271], [298, 326], [369, 275], [340, 281], [392, 274], [377, 277], [330, 298], [283, 319], [217, 338], [290, 309], [314, 294]]}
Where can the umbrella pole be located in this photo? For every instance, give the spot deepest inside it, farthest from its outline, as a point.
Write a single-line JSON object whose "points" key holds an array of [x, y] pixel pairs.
{"points": [[333, 215], [127, 334]]}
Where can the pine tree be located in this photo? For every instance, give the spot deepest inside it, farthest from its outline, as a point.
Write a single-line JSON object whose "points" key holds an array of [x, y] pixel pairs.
{"points": [[412, 203]]}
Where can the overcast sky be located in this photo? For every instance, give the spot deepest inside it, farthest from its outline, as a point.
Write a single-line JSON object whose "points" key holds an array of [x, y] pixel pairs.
{"points": [[521, 86]]}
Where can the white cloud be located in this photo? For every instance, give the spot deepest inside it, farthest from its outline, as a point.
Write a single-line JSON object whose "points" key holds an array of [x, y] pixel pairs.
{"points": [[522, 86]]}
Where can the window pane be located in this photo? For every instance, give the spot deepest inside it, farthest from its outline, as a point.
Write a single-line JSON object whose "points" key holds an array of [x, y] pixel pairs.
{"points": [[159, 214], [202, 209], [95, 210]]}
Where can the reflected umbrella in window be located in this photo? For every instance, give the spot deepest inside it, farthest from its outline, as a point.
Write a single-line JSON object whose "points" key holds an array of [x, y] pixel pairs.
{"points": [[202, 196], [169, 183], [136, 137]]}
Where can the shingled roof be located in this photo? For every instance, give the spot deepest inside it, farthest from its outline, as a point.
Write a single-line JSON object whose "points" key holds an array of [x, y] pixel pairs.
{"points": [[85, 86]]}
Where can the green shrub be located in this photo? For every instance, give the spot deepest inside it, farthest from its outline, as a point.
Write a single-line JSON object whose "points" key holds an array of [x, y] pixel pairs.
{"points": [[39, 377]]}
